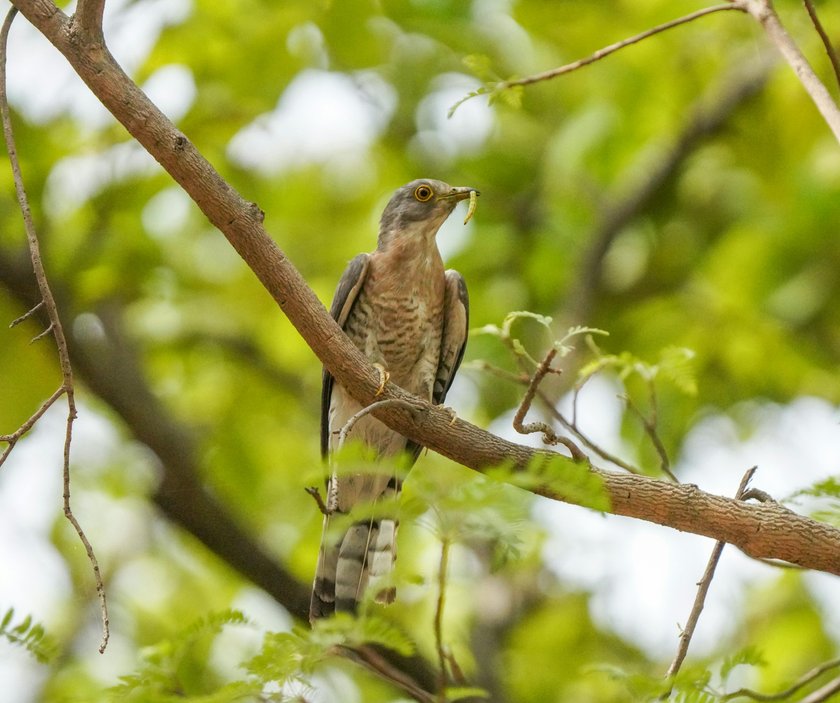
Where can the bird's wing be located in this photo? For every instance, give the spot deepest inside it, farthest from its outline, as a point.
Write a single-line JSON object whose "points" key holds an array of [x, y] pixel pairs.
{"points": [[346, 293], [456, 322]]}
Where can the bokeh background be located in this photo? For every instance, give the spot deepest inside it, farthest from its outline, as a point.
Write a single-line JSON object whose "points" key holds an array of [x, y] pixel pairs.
{"points": [[680, 194]]}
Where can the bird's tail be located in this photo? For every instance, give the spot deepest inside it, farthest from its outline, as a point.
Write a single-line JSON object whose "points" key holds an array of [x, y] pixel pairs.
{"points": [[365, 553]]}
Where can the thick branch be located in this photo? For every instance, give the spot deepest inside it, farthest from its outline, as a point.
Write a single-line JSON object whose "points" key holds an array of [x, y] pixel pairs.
{"points": [[759, 530]]}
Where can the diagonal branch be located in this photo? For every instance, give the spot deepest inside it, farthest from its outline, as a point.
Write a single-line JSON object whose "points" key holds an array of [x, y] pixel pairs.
{"points": [[760, 530], [612, 48], [803, 681], [826, 40], [702, 592]]}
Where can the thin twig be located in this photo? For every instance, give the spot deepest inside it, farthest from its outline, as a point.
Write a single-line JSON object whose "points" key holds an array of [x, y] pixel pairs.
{"points": [[29, 313], [548, 433], [700, 599], [826, 693], [573, 427], [316, 496], [45, 333], [649, 425], [759, 495], [67, 387], [351, 423], [371, 659], [612, 48], [12, 439], [803, 681], [829, 47], [441, 652]]}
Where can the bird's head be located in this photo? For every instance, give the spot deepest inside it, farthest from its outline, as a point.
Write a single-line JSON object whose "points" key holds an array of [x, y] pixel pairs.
{"points": [[418, 209]]}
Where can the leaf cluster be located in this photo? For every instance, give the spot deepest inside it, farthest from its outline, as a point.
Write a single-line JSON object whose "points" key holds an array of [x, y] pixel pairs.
{"points": [[29, 635]]}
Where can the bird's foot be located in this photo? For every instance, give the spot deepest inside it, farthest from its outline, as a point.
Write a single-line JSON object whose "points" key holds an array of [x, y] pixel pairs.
{"points": [[452, 414], [384, 377]]}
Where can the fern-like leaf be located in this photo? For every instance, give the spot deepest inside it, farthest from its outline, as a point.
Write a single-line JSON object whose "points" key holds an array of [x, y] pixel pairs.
{"points": [[29, 635]]}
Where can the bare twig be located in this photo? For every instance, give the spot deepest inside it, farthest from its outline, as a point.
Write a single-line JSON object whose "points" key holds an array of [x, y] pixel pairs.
{"points": [[649, 424], [55, 327], [762, 11], [700, 599], [829, 47], [575, 429], [12, 439], [826, 693], [29, 313], [316, 496], [371, 659], [548, 433], [441, 652], [803, 681], [351, 423], [612, 48], [45, 333]]}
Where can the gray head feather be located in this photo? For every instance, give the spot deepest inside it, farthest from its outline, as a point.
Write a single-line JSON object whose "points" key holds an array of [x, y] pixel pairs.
{"points": [[426, 201]]}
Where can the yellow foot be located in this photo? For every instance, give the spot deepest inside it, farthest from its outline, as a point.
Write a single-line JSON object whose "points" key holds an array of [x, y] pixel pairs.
{"points": [[384, 377], [452, 414]]}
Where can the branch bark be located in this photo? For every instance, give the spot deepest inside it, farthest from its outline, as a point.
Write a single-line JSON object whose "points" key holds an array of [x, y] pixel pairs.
{"points": [[768, 530]]}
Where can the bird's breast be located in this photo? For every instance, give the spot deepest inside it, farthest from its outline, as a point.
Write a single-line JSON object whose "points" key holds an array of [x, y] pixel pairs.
{"points": [[398, 322]]}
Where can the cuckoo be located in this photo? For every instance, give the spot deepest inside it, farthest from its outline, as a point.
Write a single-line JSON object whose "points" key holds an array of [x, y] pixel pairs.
{"points": [[409, 317]]}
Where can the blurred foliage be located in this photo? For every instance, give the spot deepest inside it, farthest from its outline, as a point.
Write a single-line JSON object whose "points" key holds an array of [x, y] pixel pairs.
{"points": [[720, 287], [29, 635]]}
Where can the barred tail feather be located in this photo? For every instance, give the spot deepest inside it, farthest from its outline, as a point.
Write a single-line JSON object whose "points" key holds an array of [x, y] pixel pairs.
{"points": [[366, 552], [381, 556], [322, 604]]}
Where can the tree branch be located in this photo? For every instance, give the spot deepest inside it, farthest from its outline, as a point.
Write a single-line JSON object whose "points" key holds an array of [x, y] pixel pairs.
{"points": [[88, 19], [55, 328], [803, 681], [612, 48], [700, 599], [760, 530], [762, 11], [826, 40]]}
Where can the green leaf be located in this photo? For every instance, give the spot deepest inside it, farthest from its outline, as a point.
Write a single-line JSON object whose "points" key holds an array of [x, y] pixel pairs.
{"points": [[29, 635], [677, 365], [558, 475], [748, 656], [456, 693]]}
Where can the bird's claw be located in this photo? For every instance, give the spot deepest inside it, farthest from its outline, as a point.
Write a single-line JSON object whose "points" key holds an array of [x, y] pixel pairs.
{"points": [[452, 414], [384, 377]]}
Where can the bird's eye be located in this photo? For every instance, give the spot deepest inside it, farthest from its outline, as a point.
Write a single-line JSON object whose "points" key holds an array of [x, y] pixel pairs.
{"points": [[423, 193]]}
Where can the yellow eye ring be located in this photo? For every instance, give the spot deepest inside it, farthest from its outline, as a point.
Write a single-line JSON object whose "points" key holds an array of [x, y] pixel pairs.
{"points": [[423, 193]]}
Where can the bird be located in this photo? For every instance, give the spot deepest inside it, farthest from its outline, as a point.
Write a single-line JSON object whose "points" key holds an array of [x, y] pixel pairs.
{"points": [[409, 317]]}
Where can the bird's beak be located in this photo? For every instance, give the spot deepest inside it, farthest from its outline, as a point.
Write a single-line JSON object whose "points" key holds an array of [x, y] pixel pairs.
{"points": [[458, 194]]}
